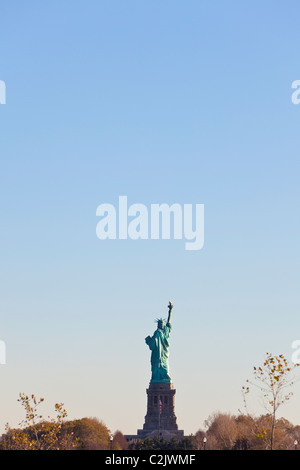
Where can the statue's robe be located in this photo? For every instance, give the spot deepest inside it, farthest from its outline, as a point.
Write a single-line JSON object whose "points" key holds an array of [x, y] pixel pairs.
{"points": [[159, 346]]}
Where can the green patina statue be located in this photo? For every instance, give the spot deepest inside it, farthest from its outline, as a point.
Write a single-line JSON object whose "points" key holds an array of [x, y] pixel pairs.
{"points": [[159, 346]]}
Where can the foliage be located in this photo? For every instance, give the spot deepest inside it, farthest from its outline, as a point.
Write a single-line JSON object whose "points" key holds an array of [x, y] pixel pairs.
{"points": [[187, 443], [90, 433], [36, 432], [245, 432], [274, 381], [119, 442], [223, 428]]}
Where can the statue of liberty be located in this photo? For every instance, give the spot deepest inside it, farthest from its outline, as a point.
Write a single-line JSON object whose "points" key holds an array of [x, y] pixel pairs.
{"points": [[159, 345]]}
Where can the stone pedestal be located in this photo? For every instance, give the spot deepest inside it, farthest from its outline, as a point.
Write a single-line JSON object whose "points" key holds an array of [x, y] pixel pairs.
{"points": [[160, 419]]}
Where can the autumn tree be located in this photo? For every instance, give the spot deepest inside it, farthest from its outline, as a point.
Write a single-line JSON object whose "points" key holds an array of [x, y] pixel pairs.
{"points": [[90, 433], [222, 431], [119, 442], [198, 439], [274, 379], [37, 433]]}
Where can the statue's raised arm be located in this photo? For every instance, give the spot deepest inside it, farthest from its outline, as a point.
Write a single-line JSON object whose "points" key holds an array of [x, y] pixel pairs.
{"points": [[170, 306]]}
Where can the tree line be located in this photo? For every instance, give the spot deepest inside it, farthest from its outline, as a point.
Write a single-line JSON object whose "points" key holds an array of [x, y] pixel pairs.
{"points": [[222, 431]]}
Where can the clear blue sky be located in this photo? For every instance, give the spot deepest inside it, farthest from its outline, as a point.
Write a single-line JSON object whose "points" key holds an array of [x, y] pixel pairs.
{"points": [[162, 101]]}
